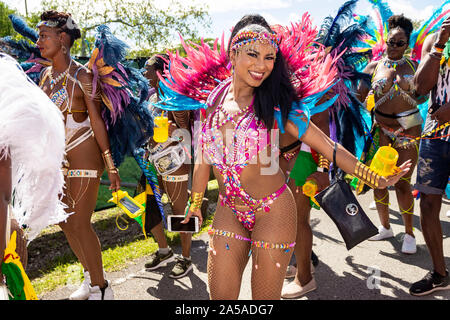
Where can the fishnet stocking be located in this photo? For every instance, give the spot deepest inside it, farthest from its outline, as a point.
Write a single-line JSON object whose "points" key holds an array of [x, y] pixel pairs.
{"points": [[227, 260]]}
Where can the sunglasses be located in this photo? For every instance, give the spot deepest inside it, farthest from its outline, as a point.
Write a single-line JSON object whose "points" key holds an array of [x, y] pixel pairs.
{"points": [[393, 43]]}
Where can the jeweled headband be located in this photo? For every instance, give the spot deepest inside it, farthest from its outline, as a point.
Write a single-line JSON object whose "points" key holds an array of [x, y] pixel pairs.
{"points": [[70, 24], [49, 23], [246, 37]]}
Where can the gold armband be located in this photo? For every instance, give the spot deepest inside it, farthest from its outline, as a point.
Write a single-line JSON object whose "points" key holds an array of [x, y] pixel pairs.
{"points": [[109, 162], [324, 163], [367, 175], [196, 200]]}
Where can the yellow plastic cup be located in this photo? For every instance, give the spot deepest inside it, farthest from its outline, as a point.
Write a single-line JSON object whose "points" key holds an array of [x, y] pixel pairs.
{"points": [[161, 129], [370, 102], [385, 160]]}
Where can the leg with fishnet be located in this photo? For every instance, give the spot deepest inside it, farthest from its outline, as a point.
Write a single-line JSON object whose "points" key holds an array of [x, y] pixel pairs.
{"points": [[227, 257], [277, 226]]}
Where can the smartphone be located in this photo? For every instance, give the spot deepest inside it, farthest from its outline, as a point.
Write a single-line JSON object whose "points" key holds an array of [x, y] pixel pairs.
{"points": [[174, 224]]}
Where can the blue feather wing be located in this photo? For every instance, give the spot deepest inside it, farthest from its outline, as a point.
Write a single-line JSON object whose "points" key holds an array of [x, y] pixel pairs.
{"points": [[22, 28]]}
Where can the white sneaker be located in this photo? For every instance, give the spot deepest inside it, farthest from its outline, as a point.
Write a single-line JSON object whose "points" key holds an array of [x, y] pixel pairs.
{"points": [[373, 205], [383, 233], [409, 244], [82, 293], [96, 293]]}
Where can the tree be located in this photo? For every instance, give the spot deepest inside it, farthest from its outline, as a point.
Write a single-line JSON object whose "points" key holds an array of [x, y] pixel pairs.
{"points": [[141, 24], [6, 28]]}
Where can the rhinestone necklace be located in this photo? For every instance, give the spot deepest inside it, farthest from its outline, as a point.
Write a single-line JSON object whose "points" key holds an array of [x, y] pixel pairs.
{"points": [[54, 81]]}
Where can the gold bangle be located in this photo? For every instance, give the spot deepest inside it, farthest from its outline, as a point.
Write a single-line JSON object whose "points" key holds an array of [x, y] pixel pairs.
{"points": [[196, 200], [107, 158], [366, 175], [323, 162]]}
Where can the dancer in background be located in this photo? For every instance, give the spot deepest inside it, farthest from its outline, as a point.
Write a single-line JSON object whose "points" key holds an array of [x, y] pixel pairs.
{"points": [[106, 119], [175, 184], [433, 170], [342, 122], [396, 120]]}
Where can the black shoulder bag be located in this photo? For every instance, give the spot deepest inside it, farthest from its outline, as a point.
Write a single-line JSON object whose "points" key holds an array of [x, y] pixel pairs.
{"points": [[340, 204]]}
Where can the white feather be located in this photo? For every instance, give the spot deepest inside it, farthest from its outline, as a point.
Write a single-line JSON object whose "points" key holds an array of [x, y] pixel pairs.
{"points": [[32, 132]]}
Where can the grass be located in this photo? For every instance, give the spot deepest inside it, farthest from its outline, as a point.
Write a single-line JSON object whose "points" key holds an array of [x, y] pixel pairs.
{"points": [[129, 172], [52, 264]]}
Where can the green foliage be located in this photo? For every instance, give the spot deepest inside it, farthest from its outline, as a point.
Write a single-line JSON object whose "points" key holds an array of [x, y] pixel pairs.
{"points": [[6, 28], [129, 172], [144, 25]]}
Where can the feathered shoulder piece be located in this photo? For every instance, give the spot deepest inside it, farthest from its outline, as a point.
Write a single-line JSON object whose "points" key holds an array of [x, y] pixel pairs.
{"points": [[188, 81], [377, 30], [312, 70], [123, 91], [429, 26], [342, 33]]}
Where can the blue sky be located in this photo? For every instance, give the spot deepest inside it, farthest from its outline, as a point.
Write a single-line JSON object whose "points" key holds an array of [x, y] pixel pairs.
{"points": [[225, 13]]}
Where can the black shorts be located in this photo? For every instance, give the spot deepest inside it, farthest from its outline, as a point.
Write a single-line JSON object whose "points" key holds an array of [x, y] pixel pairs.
{"points": [[152, 214]]}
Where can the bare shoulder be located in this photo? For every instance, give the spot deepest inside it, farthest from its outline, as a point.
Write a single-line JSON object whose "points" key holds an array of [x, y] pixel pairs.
{"points": [[83, 73], [370, 68]]}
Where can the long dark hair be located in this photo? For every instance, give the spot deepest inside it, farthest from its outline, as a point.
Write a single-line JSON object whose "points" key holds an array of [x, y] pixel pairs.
{"points": [[277, 90]]}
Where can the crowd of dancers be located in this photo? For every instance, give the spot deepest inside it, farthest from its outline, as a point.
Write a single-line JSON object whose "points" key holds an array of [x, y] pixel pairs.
{"points": [[265, 113]]}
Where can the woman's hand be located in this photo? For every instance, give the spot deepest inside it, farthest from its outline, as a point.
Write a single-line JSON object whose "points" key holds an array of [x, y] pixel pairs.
{"points": [[196, 213], [442, 115], [114, 178], [321, 178], [393, 179]]}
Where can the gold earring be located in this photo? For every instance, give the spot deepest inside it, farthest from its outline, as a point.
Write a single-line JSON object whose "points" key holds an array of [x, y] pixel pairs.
{"points": [[64, 50]]}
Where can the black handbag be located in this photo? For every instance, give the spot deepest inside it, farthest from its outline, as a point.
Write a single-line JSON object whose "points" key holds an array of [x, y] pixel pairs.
{"points": [[340, 204]]}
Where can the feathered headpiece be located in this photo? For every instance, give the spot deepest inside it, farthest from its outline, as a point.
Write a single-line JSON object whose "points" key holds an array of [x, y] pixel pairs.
{"points": [[188, 81]]}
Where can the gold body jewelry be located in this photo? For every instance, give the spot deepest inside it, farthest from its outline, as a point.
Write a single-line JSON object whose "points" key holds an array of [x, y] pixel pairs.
{"points": [[366, 175]]}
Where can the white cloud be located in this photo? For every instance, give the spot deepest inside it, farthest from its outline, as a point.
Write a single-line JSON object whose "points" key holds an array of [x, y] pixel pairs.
{"points": [[409, 10]]}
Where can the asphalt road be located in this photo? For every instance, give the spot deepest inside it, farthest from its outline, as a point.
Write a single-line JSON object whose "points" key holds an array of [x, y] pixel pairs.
{"points": [[370, 271]]}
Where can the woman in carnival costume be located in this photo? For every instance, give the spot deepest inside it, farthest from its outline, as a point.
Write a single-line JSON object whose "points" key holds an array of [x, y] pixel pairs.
{"points": [[31, 153], [342, 122], [268, 87], [104, 121], [393, 101], [174, 180]]}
